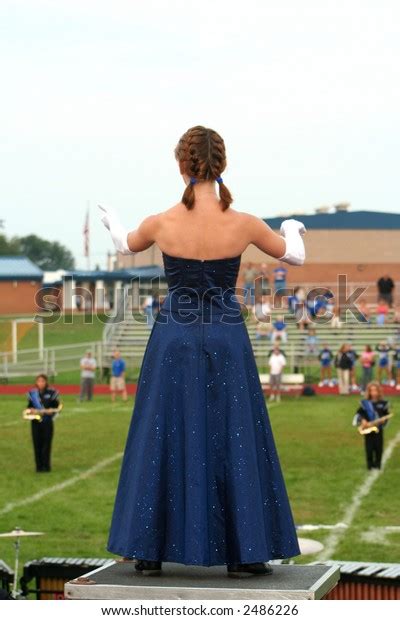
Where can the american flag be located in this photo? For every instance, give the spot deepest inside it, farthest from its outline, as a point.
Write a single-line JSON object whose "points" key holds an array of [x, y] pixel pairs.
{"points": [[86, 235]]}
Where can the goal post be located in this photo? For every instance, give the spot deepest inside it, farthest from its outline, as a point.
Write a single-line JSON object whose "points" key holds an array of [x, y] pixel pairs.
{"points": [[14, 337]]}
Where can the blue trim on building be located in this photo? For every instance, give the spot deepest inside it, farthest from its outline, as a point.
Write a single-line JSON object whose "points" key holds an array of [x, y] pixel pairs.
{"points": [[343, 220], [144, 273]]}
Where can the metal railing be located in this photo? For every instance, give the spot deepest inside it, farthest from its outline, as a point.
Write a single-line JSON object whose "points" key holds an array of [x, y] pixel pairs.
{"points": [[56, 359]]}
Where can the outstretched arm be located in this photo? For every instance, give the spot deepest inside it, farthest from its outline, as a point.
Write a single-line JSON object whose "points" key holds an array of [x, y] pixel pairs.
{"points": [[127, 242], [288, 246]]}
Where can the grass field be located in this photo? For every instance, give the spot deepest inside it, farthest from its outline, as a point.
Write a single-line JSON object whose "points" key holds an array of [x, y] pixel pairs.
{"points": [[67, 329], [321, 454]]}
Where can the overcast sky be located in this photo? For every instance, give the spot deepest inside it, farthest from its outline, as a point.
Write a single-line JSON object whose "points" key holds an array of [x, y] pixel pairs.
{"points": [[95, 95]]}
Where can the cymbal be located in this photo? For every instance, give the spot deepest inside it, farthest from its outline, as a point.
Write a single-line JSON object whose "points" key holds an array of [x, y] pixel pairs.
{"points": [[18, 532]]}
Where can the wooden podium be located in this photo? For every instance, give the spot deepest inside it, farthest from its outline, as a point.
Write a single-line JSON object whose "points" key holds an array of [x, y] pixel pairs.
{"points": [[120, 580]]}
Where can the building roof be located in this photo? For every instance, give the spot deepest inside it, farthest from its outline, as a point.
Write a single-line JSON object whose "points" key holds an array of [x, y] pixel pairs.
{"points": [[344, 220], [19, 268], [144, 273]]}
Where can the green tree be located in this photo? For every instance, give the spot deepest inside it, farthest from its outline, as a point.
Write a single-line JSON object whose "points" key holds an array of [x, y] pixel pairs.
{"points": [[8, 246], [48, 255]]}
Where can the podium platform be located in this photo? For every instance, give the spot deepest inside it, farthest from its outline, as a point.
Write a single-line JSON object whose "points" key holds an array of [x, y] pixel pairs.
{"points": [[120, 580]]}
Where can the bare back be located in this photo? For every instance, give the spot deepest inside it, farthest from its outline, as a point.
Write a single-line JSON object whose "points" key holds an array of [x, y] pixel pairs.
{"points": [[205, 232]]}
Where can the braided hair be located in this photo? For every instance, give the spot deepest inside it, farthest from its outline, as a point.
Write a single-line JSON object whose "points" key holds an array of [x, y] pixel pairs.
{"points": [[202, 152]]}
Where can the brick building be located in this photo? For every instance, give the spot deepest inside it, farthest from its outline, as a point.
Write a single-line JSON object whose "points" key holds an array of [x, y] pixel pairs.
{"points": [[361, 244], [20, 281]]}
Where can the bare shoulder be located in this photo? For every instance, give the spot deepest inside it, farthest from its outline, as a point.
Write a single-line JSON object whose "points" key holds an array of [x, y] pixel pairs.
{"points": [[150, 223], [257, 231], [157, 219], [251, 222], [171, 212]]}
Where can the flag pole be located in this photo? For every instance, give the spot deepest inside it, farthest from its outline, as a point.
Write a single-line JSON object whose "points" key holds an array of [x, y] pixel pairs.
{"points": [[86, 237]]}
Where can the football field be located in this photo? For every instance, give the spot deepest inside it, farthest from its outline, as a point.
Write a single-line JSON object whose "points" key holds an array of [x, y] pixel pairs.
{"points": [[353, 512]]}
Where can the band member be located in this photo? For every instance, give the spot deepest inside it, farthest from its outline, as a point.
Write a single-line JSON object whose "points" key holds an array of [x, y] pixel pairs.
{"points": [[46, 398], [373, 407]]}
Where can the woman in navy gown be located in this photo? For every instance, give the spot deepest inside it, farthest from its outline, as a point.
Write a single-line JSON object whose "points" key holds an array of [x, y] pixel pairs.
{"points": [[201, 481]]}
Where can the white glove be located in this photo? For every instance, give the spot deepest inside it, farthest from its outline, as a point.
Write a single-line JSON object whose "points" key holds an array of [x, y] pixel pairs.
{"points": [[292, 231], [119, 234]]}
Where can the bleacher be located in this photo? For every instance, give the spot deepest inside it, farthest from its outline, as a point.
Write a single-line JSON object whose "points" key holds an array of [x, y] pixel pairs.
{"points": [[131, 335]]}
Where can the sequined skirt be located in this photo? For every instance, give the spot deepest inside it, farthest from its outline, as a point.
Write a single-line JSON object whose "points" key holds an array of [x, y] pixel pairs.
{"points": [[201, 481]]}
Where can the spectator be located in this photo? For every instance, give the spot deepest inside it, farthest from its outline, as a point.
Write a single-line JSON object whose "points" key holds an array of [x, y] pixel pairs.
{"points": [[292, 303], [330, 304], [394, 340], [147, 308], [325, 357], [263, 330], [367, 363], [354, 356], [293, 300], [280, 274], [88, 366], [117, 382], [262, 308], [263, 279], [383, 360], [396, 366], [396, 316], [302, 320], [335, 321], [382, 310], [279, 330], [249, 275], [365, 312], [277, 362], [312, 342], [343, 364], [155, 306], [320, 305], [300, 312], [385, 289]]}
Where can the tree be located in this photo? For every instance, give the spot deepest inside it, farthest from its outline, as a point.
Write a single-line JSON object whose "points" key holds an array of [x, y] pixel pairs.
{"points": [[8, 246], [48, 255]]}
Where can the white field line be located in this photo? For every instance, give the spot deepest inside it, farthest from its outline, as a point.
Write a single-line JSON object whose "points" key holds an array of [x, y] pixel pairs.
{"points": [[361, 492], [310, 527], [30, 499]]}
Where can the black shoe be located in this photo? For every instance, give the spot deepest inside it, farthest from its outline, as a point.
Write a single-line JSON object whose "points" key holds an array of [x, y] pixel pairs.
{"points": [[148, 567], [245, 570]]}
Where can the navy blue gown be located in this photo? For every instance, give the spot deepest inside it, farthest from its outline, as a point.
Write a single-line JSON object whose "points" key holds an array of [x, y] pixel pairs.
{"points": [[201, 481]]}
